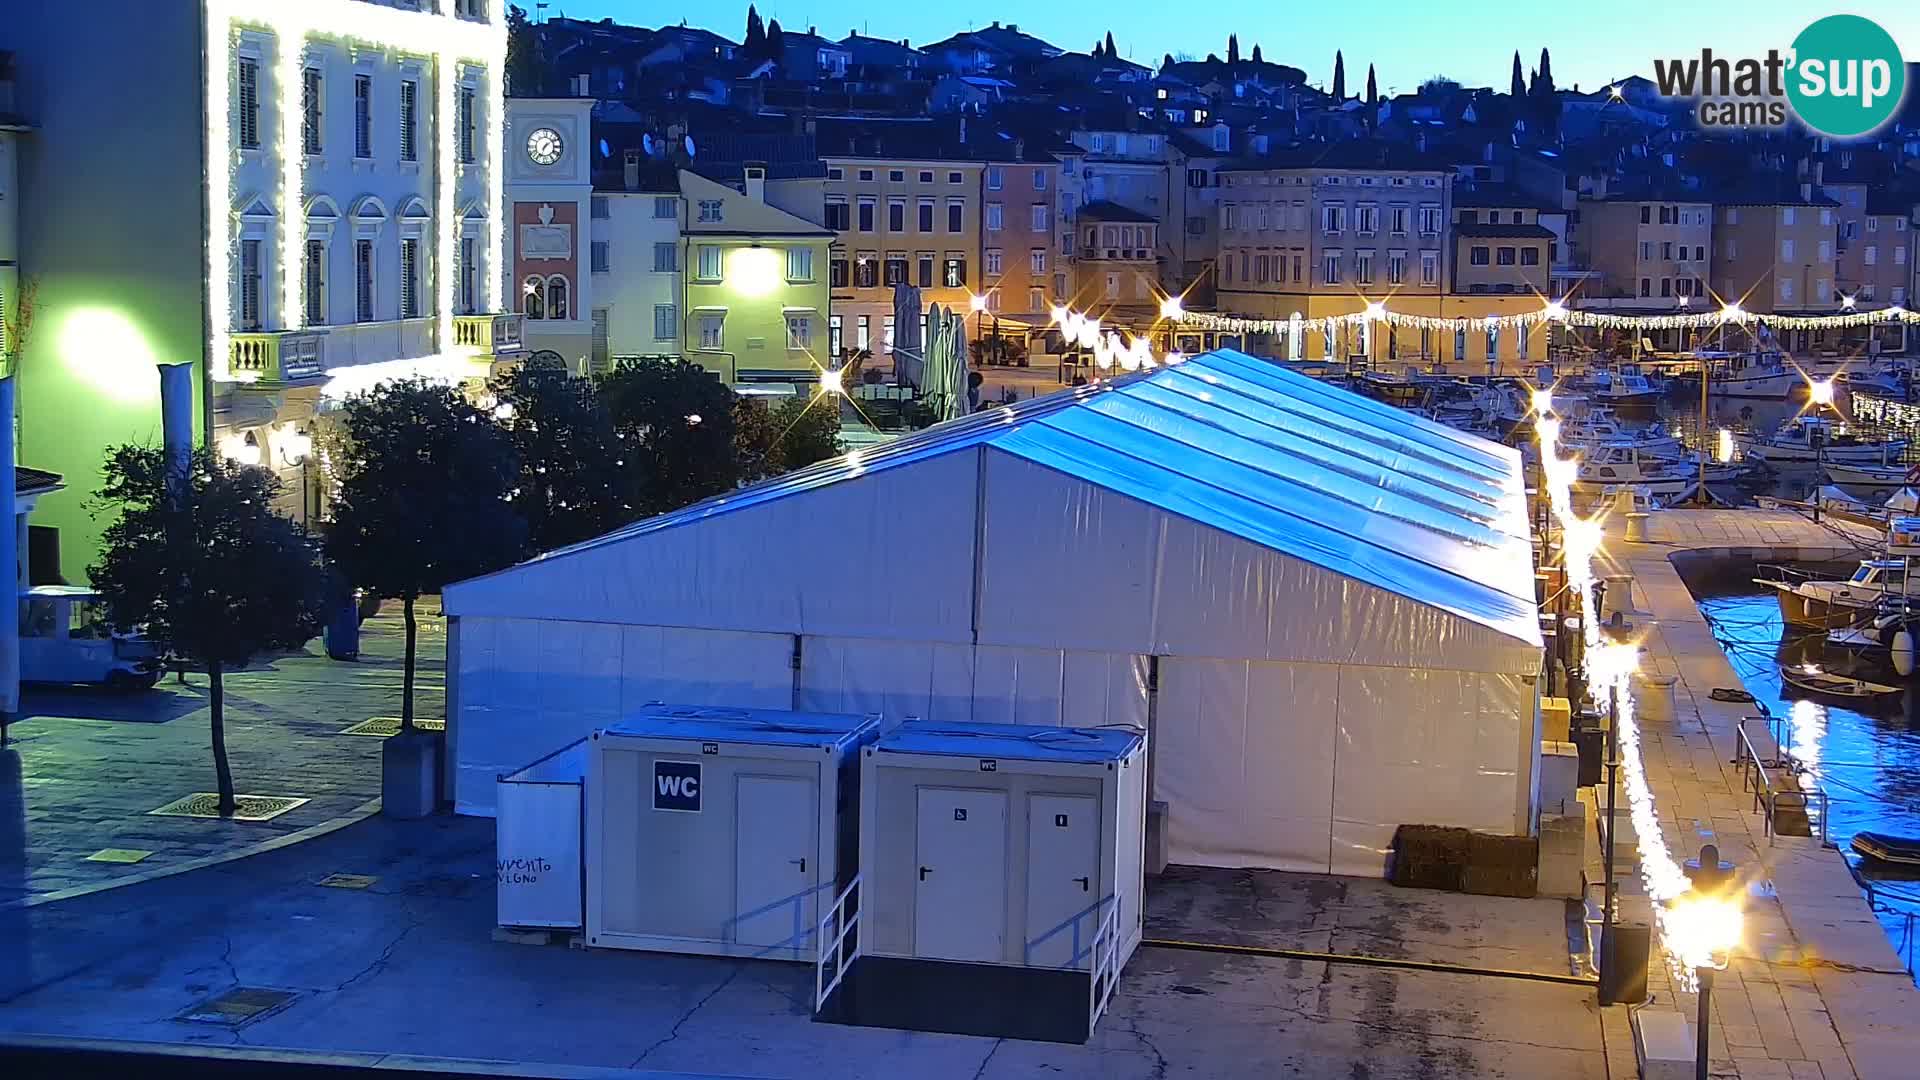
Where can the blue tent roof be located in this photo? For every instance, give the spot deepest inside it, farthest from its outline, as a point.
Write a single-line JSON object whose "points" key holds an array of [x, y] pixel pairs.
{"points": [[1239, 444]]}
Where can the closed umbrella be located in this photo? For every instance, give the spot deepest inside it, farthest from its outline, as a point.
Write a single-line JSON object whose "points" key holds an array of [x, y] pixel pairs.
{"points": [[909, 363]]}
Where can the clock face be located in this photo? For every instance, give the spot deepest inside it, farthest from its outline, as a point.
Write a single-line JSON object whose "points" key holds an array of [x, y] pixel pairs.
{"points": [[543, 146]]}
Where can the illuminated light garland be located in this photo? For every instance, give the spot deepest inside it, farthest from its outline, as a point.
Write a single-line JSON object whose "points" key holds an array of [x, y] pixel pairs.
{"points": [[1552, 311], [440, 35], [1693, 931], [1109, 349]]}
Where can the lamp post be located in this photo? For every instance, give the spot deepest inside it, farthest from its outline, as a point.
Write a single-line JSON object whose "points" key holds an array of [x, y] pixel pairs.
{"points": [[1704, 925], [1607, 960]]}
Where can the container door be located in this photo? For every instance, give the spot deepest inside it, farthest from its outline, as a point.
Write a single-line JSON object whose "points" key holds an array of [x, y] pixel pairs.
{"points": [[775, 852], [960, 895], [1063, 879]]}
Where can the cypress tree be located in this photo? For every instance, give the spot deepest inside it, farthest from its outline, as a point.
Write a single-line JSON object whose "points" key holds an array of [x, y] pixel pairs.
{"points": [[1339, 76]]}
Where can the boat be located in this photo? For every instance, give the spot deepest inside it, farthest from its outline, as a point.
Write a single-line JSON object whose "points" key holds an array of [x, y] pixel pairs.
{"points": [[1625, 390], [1600, 425], [1624, 463], [1888, 847], [1755, 375], [1814, 438], [1826, 605], [1816, 680], [1887, 476]]}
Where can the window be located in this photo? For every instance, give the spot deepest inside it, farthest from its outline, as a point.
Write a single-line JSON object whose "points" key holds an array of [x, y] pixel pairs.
{"points": [[310, 111], [1520, 342], [867, 204], [409, 278], [468, 100], [1733, 215], [866, 174], [866, 270], [1396, 267], [1040, 220], [1826, 252], [923, 270], [314, 283], [666, 259], [1113, 286], [1429, 220], [1786, 218], [1786, 250], [994, 261], [1363, 267], [1666, 286], [1460, 344], [1666, 249], [247, 100], [864, 327], [837, 214], [1196, 225], [996, 178], [1529, 256], [953, 273], [1478, 256], [1330, 268], [995, 217], [598, 208], [665, 206], [835, 172], [1196, 178], [1786, 288], [896, 175], [1493, 217], [833, 335], [1039, 184], [1504, 256], [712, 330], [895, 271], [598, 256], [469, 277], [1429, 268], [249, 284], [1493, 342], [1036, 300], [712, 211], [1397, 220], [956, 178], [409, 119], [896, 215], [712, 264], [1333, 218], [1367, 218], [1646, 215], [1037, 261], [363, 116], [1646, 250], [800, 332], [363, 280], [665, 326], [1899, 256], [955, 208], [1646, 287], [799, 264], [838, 272], [926, 176]]}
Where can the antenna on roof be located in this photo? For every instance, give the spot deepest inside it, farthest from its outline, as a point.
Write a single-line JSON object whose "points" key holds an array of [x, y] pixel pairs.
{"points": [[688, 141]]}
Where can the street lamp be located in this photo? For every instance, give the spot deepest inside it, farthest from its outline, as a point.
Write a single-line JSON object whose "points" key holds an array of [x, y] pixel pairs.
{"points": [[1702, 927]]}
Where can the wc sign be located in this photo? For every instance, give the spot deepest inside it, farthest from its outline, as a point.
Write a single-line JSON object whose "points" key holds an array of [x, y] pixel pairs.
{"points": [[676, 786]]}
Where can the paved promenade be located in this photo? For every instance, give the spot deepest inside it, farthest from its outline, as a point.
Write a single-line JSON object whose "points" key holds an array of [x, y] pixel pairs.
{"points": [[85, 767], [1816, 991]]}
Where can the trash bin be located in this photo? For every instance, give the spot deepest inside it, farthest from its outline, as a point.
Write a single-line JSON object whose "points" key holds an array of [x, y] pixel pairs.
{"points": [[1626, 977]]}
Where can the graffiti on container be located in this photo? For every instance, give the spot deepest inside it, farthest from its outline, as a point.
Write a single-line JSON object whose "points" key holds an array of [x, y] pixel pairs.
{"points": [[523, 871]]}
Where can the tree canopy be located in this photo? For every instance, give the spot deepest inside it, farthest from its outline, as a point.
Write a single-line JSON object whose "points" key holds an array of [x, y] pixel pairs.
{"points": [[575, 482], [676, 420], [1339, 76]]}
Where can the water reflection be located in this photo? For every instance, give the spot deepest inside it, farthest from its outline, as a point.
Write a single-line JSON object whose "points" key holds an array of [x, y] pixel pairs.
{"points": [[1866, 755]]}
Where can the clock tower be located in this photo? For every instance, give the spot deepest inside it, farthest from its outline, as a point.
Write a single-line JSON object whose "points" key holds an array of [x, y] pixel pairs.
{"points": [[551, 155]]}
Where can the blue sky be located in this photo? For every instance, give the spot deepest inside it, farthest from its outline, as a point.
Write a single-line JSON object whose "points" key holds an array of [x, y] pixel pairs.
{"points": [[1409, 40]]}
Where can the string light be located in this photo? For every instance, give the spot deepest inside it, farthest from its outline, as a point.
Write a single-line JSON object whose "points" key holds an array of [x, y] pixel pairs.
{"points": [[1552, 311], [1109, 349]]}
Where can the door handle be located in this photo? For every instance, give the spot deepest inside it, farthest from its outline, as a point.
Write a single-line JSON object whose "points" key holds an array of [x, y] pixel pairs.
{"points": [[924, 871], [802, 860], [1083, 884]]}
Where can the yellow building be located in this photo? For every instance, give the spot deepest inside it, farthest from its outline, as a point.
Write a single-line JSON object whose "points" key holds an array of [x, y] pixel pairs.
{"points": [[755, 282], [1500, 247], [1116, 269], [1328, 231], [1649, 246], [1774, 249]]}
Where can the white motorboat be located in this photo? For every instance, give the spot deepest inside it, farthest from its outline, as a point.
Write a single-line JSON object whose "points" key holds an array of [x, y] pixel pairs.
{"points": [[1600, 427], [1610, 465], [1825, 605], [1813, 438], [1885, 476], [1755, 375]]}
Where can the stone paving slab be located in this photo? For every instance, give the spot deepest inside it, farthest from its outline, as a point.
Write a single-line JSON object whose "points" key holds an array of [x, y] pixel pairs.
{"points": [[84, 767], [1816, 990]]}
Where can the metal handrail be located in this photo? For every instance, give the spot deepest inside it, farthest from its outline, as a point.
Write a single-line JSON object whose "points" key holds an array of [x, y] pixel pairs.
{"points": [[835, 945], [1756, 776], [1106, 963]]}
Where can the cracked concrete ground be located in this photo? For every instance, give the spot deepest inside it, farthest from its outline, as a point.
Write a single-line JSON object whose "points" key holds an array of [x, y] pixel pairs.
{"points": [[407, 965]]}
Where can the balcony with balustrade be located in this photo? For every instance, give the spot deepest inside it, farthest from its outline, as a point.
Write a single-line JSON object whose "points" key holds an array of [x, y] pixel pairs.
{"points": [[273, 359]]}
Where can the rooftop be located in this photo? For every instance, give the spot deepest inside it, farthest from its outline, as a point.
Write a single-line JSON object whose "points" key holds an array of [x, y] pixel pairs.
{"points": [[1509, 232], [1104, 210]]}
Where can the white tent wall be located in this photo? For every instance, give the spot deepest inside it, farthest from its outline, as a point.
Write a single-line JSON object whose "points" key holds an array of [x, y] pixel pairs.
{"points": [[526, 687], [887, 554]]}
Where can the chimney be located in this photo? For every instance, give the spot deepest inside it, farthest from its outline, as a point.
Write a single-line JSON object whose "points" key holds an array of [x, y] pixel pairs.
{"points": [[580, 85], [963, 125], [996, 24], [1019, 149], [632, 170], [1014, 27], [813, 31], [756, 176]]}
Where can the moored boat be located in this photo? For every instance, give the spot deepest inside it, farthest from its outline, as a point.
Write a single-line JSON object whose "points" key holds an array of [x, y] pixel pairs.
{"points": [[1813, 438], [1888, 847], [1815, 680]]}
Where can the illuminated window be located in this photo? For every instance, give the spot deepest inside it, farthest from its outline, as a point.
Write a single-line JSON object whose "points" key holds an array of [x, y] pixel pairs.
{"points": [[712, 330]]}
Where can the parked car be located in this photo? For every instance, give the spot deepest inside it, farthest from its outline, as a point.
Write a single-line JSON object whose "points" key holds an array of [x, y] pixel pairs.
{"points": [[65, 638]]}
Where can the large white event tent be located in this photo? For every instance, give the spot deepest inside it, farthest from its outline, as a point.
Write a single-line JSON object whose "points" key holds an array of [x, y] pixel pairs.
{"points": [[1321, 606]]}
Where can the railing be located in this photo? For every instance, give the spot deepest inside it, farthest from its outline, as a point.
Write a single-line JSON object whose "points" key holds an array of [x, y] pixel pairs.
{"points": [[276, 357], [495, 333], [1070, 926], [1756, 776], [840, 948], [1106, 967]]}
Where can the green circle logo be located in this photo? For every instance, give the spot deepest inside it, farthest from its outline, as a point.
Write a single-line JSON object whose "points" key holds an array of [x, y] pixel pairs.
{"points": [[1846, 77]]}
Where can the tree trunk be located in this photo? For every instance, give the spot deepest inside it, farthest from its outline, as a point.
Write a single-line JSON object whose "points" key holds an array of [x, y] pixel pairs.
{"points": [[406, 685], [223, 773]]}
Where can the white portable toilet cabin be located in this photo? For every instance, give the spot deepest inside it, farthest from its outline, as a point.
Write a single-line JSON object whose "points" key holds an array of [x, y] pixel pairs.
{"points": [[720, 831], [1001, 882]]}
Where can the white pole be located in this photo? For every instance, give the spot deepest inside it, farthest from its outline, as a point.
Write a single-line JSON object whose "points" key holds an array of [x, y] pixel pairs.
{"points": [[176, 415]]}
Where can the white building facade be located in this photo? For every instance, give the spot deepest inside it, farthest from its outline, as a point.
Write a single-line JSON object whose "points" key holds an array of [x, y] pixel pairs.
{"points": [[636, 264], [299, 198]]}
